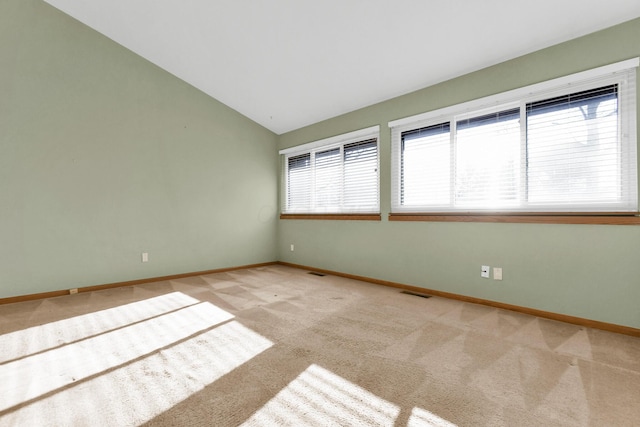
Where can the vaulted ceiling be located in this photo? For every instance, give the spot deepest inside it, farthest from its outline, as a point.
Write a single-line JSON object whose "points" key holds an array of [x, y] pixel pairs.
{"points": [[290, 63]]}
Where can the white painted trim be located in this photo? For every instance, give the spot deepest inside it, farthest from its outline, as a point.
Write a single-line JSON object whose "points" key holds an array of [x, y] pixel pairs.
{"points": [[516, 94], [338, 139]]}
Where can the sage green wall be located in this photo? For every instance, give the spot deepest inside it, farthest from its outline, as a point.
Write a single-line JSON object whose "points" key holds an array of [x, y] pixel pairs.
{"points": [[589, 271], [103, 156]]}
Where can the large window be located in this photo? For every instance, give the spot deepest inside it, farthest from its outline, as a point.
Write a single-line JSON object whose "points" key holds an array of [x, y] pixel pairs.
{"points": [[563, 146], [338, 175]]}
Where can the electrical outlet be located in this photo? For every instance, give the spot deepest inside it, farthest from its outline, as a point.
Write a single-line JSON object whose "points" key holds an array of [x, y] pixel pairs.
{"points": [[485, 271], [73, 291], [145, 257], [292, 248], [497, 273]]}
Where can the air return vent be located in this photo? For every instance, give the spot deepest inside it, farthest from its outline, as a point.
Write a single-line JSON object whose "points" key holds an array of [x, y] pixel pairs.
{"points": [[315, 273], [415, 294]]}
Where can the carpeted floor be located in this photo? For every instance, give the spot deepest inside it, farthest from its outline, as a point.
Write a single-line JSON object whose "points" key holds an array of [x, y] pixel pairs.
{"points": [[277, 346]]}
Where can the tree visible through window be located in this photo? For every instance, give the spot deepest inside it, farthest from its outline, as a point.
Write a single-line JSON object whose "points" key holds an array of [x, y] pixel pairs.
{"points": [[573, 150]]}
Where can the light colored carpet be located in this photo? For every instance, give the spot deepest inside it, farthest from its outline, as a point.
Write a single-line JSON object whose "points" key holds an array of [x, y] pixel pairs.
{"points": [[277, 346]]}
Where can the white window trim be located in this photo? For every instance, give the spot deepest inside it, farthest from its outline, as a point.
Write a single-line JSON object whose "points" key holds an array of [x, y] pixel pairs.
{"points": [[327, 144], [345, 138], [517, 97]]}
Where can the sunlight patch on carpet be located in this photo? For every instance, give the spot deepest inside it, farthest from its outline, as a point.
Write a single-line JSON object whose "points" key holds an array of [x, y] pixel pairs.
{"points": [[129, 374], [423, 418], [320, 397], [26, 342]]}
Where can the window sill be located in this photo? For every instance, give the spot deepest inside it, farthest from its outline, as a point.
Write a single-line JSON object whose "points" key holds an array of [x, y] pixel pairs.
{"points": [[551, 218], [349, 217]]}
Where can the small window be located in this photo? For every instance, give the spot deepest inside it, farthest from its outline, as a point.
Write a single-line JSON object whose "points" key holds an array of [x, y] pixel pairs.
{"points": [[338, 175], [565, 147]]}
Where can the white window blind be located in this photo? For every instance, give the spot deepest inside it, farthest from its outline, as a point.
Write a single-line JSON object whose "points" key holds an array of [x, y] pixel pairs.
{"points": [[336, 175], [563, 147], [573, 150]]}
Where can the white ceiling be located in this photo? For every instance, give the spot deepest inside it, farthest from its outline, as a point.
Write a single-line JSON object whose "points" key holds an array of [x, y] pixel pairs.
{"points": [[290, 63]]}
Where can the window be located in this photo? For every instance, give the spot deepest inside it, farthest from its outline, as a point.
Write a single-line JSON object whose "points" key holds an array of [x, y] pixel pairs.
{"points": [[568, 145], [338, 175]]}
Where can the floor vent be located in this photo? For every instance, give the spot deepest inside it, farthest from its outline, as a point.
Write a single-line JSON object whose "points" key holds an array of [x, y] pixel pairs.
{"points": [[315, 273], [415, 294]]}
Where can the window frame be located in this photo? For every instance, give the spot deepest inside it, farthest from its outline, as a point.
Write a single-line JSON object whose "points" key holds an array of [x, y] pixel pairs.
{"points": [[340, 142], [622, 73]]}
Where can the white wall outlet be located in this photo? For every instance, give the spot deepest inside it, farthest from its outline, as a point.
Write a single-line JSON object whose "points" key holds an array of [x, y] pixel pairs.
{"points": [[292, 248], [145, 257], [73, 291], [484, 271], [497, 273]]}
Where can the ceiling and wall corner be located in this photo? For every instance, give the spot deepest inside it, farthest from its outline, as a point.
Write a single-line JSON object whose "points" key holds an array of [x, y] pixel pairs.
{"points": [[287, 64]]}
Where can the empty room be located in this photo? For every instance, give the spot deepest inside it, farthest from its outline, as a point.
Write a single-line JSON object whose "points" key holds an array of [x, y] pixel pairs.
{"points": [[338, 213]]}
